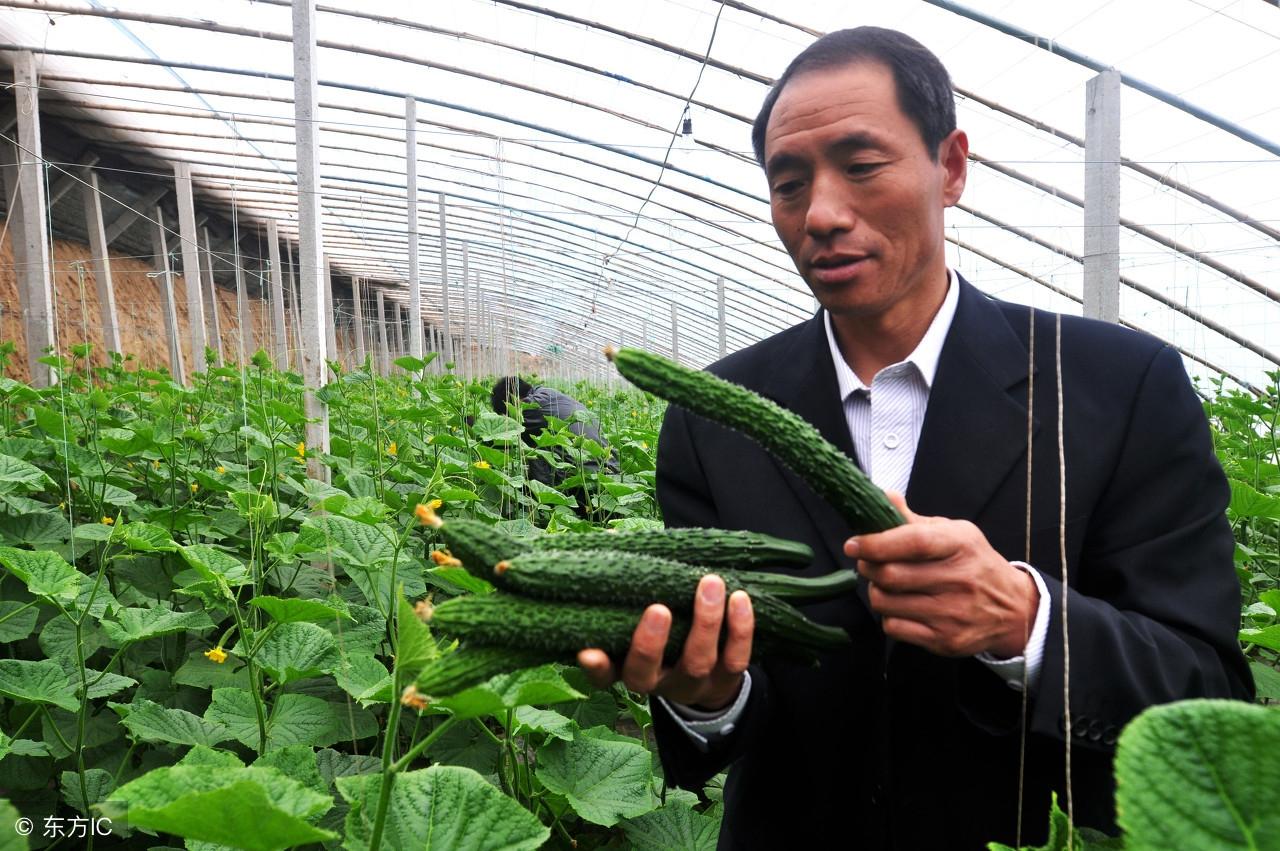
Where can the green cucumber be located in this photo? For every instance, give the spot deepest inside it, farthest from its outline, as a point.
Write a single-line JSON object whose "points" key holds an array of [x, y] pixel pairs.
{"points": [[788, 437], [565, 628], [708, 547], [633, 579], [468, 666], [799, 588], [478, 545]]}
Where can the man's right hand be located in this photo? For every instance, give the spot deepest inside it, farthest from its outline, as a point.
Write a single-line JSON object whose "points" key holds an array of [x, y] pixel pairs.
{"points": [[707, 675]]}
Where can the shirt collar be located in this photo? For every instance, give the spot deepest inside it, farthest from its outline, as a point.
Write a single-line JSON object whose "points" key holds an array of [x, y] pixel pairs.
{"points": [[925, 355]]}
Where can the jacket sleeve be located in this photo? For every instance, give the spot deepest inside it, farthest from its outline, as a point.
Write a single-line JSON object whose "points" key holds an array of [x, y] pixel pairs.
{"points": [[1153, 604], [685, 498]]}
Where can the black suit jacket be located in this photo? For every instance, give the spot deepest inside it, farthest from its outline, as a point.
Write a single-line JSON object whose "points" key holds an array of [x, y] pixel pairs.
{"points": [[889, 746]]}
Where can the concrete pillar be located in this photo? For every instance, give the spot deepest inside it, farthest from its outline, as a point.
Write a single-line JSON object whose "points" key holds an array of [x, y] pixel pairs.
{"points": [[411, 185], [211, 293], [101, 262], [330, 328], [243, 318], [675, 334], [190, 264], [720, 315], [384, 355], [1102, 197], [357, 296], [35, 286], [397, 326], [447, 330]]}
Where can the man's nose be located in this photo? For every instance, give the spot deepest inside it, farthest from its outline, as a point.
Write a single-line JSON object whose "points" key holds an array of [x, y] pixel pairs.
{"points": [[830, 206]]}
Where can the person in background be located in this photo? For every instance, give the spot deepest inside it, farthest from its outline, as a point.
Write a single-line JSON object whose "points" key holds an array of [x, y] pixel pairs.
{"points": [[533, 405]]}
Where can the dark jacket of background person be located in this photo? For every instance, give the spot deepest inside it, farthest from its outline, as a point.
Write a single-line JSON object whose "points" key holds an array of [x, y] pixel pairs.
{"points": [[549, 402], [889, 746]]}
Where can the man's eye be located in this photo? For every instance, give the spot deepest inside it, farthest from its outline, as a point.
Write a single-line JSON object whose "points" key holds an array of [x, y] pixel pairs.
{"points": [[788, 188], [861, 169]]}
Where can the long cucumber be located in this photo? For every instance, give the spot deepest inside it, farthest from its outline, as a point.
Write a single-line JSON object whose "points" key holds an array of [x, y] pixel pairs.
{"points": [[720, 548]]}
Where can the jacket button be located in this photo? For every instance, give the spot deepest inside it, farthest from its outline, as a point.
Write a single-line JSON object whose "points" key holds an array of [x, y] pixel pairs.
{"points": [[1095, 730], [1109, 736], [1080, 726]]}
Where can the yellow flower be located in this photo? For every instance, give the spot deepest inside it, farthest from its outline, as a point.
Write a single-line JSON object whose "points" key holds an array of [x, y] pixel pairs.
{"points": [[221, 469], [644, 445], [194, 487], [217, 655], [62, 506], [301, 449], [155, 462], [426, 514], [391, 450], [108, 521], [481, 465], [443, 559], [413, 698]]}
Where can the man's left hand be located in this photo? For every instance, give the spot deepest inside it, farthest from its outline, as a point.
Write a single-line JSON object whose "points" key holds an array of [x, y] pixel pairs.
{"points": [[939, 584]]}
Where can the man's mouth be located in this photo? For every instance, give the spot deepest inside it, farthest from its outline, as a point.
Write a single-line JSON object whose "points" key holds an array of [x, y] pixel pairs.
{"points": [[832, 269]]}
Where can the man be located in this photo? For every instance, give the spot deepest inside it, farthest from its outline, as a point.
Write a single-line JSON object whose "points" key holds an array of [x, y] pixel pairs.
{"points": [[914, 738], [514, 395]]}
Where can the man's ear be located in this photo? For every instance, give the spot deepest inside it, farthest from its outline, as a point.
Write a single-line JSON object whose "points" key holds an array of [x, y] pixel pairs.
{"points": [[953, 157]]}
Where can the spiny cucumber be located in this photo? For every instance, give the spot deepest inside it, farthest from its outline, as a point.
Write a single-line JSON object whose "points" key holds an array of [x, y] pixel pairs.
{"points": [[468, 666], [709, 547], [791, 439], [477, 545], [602, 576]]}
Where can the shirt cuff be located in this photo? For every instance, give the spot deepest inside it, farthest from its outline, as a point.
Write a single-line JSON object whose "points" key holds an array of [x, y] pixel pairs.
{"points": [[1025, 668], [707, 727]]}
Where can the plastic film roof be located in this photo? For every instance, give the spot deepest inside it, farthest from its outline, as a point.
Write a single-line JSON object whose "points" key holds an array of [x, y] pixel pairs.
{"points": [[553, 133]]}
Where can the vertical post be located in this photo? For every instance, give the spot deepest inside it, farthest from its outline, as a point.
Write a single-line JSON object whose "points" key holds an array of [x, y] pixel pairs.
{"points": [[242, 301], [101, 262], [464, 364], [310, 239], [397, 326], [277, 295], [211, 292], [644, 333], [1102, 197], [675, 334], [331, 328], [36, 285], [411, 184], [295, 300], [190, 264], [444, 283], [384, 356], [358, 297], [160, 247], [720, 314]]}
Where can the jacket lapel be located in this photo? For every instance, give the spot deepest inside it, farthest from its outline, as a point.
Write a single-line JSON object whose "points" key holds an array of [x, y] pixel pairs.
{"points": [[979, 389]]}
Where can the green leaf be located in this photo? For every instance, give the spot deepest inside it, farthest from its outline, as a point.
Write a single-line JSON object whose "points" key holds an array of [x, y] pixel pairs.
{"points": [[150, 722], [495, 428], [296, 719], [455, 579], [348, 541], [36, 682], [605, 779], [1269, 637], [146, 538], [296, 651], [523, 688], [409, 363], [40, 527], [1200, 774], [547, 495], [213, 563], [1267, 680], [98, 783], [253, 808], [254, 507], [674, 827], [1249, 502], [414, 645], [100, 684], [295, 610], [47, 574], [297, 762], [21, 747], [10, 840], [441, 808], [548, 721], [457, 495], [141, 624], [363, 677], [202, 672], [17, 476], [16, 625]]}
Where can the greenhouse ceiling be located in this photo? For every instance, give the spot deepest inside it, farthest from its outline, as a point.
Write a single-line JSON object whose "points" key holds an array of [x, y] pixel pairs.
{"points": [[593, 158]]}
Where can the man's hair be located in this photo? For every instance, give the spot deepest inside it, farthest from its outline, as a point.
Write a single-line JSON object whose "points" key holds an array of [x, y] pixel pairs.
{"points": [[509, 389], [923, 85]]}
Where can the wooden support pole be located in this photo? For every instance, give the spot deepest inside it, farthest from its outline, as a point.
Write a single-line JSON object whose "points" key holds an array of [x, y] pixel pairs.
{"points": [[1102, 197], [310, 241], [101, 263], [159, 245], [357, 298], [384, 354], [465, 361], [447, 330], [211, 293], [295, 302], [330, 312], [675, 334], [68, 181], [190, 264], [125, 219], [35, 283], [397, 325], [720, 315], [277, 296]]}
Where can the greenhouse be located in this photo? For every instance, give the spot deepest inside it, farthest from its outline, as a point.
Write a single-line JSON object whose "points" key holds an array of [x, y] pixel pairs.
{"points": [[514, 425]]}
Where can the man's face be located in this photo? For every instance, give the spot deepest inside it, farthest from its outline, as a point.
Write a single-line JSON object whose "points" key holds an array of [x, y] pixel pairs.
{"points": [[855, 196]]}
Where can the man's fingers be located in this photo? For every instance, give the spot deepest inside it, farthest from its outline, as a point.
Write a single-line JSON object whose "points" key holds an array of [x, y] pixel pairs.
{"points": [[702, 647], [642, 668], [736, 655], [596, 665]]}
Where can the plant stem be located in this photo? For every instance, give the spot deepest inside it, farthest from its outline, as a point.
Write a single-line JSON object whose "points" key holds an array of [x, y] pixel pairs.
{"points": [[389, 772]]}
